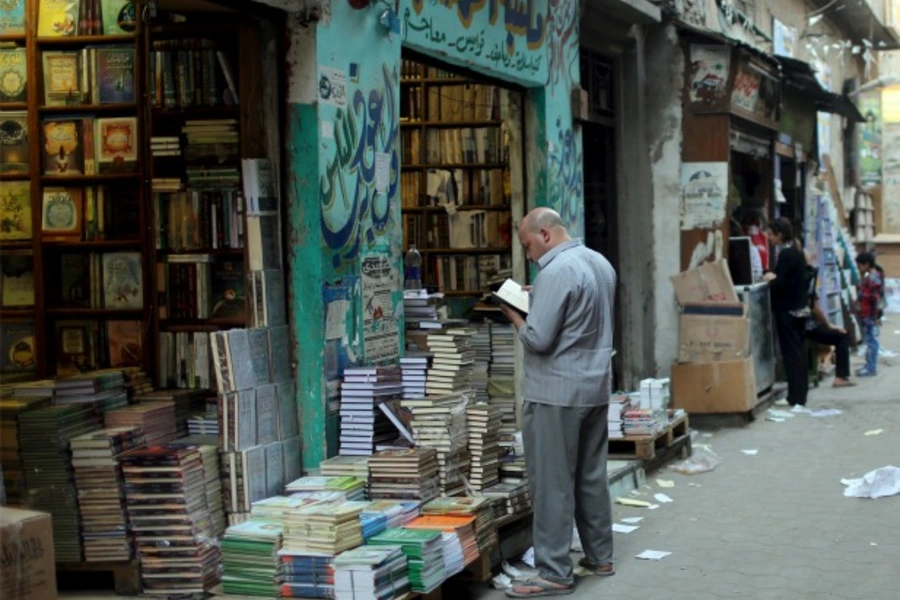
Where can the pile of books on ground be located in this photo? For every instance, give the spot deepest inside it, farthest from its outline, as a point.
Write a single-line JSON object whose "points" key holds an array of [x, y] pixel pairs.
{"points": [[618, 405], [363, 425], [44, 439], [483, 422], [166, 497], [479, 509], [423, 549], [404, 474], [371, 573], [640, 422], [439, 422], [513, 498], [250, 562], [101, 493]]}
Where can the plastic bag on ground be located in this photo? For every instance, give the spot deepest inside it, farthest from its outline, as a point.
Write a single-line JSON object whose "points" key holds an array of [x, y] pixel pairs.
{"points": [[702, 460], [874, 484]]}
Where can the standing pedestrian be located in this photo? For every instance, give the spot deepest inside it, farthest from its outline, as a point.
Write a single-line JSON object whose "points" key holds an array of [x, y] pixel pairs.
{"points": [[567, 337], [871, 290]]}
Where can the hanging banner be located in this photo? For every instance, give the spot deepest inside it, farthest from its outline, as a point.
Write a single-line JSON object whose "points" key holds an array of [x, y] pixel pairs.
{"points": [[870, 161]]}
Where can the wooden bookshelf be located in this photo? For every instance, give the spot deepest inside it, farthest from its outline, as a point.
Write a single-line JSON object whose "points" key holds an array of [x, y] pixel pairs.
{"points": [[454, 152]]}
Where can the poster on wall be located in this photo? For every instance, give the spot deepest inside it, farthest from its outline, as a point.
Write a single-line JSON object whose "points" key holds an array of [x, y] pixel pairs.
{"points": [[870, 139], [704, 190], [784, 39], [380, 278], [332, 87], [709, 73]]}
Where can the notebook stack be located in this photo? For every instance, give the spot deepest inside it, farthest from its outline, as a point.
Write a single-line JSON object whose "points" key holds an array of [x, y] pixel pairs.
{"points": [[404, 474], [166, 499], [452, 363], [483, 422], [106, 389], [11, 409], [414, 367], [323, 528], [501, 382], [481, 344], [250, 563], [480, 509], [363, 425], [101, 493], [514, 498], [439, 422], [424, 552], [156, 420], [187, 403], [637, 422], [371, 573], [619, 404], [308, 575], [352, 488], [44, 437]]}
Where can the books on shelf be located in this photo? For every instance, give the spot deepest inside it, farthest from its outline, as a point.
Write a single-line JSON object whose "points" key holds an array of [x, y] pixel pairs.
{"points": [[12, 18], [85, 17], [18, 355], [16, 280], [88, 146], [13, 66], [93, 75], [15, 153]]}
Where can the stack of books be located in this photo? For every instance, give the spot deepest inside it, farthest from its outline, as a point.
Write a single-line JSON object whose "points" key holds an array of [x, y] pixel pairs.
{"points": [[454, 556], [11, 409], [479, 509], [371, 573], [272, 509], [137, 383], [501, 382], [363, 425], [451, 367], [422, 310], [205, 424], [306, 575], [424, 552], [187, 403], [483, 422], [642, 422], [396, 513], [101, 493], [439, 422], [513, 469], [462, 527], [353, 489], [250, 563], [212, 472], [345, 466], [404, 474], [515, 499], [618, 405], [156, 420], [414, 367], [44, 437], [106, 389], [166, 498], [481, 344], [323, 528]]}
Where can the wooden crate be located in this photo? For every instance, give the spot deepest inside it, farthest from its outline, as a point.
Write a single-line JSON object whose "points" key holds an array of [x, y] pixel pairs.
{"points": [[646, 448]]}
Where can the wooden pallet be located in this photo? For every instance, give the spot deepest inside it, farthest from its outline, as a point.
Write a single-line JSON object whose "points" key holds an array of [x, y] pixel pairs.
{"points": [[126, 574], [646, 448]]}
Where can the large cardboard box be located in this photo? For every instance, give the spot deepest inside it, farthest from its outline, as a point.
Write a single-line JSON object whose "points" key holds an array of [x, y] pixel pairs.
{"points": [[28, 565], [710, 282], [704, 338], [714, 387]]}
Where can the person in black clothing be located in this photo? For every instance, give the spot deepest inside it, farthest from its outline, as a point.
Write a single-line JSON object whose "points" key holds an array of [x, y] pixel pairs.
{"points": [[819, 330], [790, 307]]}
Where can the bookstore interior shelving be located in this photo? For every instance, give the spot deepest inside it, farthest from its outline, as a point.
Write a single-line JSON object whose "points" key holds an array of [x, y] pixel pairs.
{"points": [[456, 199]]}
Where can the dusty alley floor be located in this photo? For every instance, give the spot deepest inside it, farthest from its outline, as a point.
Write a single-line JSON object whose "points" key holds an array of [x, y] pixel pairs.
{"points": [[775, 525]]}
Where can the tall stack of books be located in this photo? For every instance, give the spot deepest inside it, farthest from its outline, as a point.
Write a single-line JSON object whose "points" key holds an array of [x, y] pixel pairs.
{"points": [[424, 552], [371, 573], [501, 379], [250, 563], [352, 488], [212, 474], [404, 474], [514, 498], [11, 409], [44, 438], [479, 509], [156, 420], [451, 367], [308, 575], [483, 422], [642, 422], [101, 493], [106, 389], [439, 422], [167, 508], [619, 404], [363, 424], [414, 367], [481, 344]]}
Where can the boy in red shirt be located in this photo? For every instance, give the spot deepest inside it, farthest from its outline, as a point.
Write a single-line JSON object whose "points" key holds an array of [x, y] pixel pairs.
{"points": [[871, 289]]}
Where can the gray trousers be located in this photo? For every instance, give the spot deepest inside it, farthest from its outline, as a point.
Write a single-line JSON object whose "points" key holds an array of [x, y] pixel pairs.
{"points": [[565, 450]]}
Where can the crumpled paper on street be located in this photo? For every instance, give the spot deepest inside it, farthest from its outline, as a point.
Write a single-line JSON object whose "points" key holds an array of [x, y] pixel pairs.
{"points": [[880, 483], [703, 460]]}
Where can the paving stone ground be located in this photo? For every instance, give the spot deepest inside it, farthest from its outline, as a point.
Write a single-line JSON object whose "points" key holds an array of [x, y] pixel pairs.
{"points": [[774, 525]]}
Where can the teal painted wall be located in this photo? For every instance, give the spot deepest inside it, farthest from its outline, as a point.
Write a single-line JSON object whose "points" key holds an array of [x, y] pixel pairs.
{"points": [[345, 227]]}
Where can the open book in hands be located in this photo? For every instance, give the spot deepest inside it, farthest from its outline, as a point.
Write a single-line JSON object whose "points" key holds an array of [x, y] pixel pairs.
{"points": [[512, 294]]}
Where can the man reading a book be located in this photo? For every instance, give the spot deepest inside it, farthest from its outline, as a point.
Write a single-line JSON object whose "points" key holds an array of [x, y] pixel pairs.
{"points": [[567, 335]]}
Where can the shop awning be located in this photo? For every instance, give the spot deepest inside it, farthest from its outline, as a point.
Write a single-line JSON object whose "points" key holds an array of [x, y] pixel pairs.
{"points": [[799, 75]]}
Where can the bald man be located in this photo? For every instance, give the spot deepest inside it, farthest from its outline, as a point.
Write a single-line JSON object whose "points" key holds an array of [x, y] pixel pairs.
{"points": [[567, 337]]}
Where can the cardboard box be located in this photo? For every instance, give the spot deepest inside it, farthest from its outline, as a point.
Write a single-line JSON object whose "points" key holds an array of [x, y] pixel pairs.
{"points": [[710, 282], [714, 387], [28, 565], [712, 339]]}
